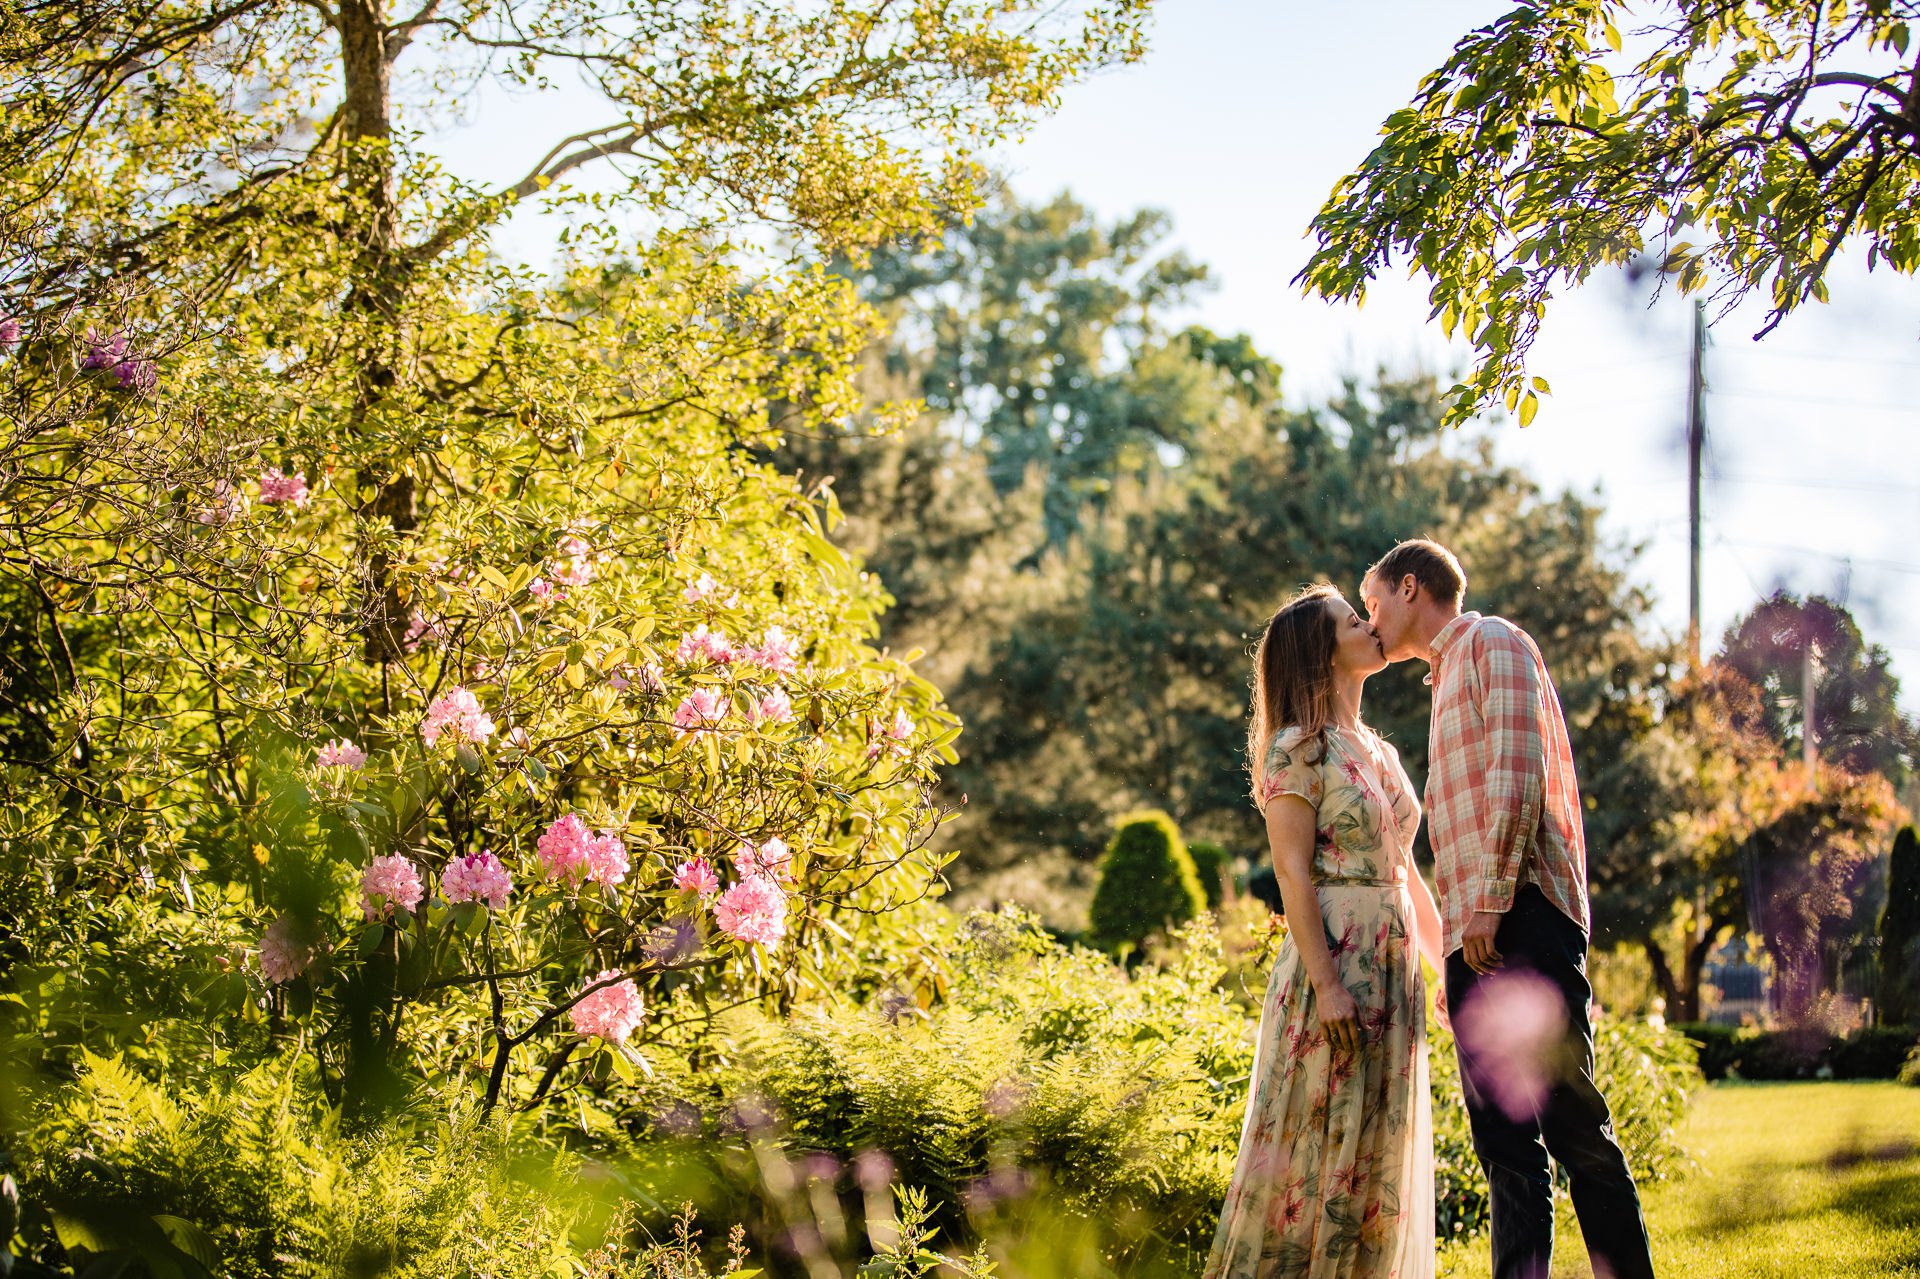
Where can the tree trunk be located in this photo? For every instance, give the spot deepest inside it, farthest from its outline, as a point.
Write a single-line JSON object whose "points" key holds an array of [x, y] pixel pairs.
{"points": [[1662, 973], [374, 301]]}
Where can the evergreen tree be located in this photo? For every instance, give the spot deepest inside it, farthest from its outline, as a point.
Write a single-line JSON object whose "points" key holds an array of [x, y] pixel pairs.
{"points": [[1900, 934], [1210, 863], [1147, 881]]}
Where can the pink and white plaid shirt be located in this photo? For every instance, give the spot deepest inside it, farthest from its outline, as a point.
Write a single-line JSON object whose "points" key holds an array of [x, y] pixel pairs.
{"points": [[1503, 807]]}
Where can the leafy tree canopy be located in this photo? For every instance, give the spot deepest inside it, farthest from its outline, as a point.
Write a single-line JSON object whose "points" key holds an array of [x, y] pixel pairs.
{"points": [[1740, 143]]}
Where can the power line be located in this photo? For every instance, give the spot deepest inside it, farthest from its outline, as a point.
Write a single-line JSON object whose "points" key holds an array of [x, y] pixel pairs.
{"points": [[1822, 400], [1894, 566]]}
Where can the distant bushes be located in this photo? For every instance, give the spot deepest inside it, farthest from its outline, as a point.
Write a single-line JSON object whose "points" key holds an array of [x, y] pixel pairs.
{"points": [[1809, 1053]]}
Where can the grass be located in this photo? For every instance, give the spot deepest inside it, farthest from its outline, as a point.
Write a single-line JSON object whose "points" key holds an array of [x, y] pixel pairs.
{"points": [[1796, 1180]]}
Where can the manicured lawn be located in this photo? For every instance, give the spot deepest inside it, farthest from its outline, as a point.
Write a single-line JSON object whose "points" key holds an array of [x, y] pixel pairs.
{"points": [[1797, 1181]]}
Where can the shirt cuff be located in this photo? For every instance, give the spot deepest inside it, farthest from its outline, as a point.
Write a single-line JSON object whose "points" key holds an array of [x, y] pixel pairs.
{"points": [[1494, 898]]}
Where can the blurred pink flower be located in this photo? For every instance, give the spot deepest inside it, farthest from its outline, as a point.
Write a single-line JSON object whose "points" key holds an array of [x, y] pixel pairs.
{"points": [[774, 708], [477, 877], [341, 753], [753, 910], [286, 949], [389, 882], [697, 875], [1512, 1027], [700, 643], [420, 627], [699, 709], [771, 858], [545, 592], [700, 590], [275, 487], [456, 713], [612, 1012]]}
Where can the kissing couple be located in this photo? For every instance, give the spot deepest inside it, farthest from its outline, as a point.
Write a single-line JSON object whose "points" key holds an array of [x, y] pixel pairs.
{"points": [[1334, 1176]]}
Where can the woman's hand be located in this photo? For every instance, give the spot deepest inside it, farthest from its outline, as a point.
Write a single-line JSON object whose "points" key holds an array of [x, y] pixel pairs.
{"points": [[1339, 1017]]}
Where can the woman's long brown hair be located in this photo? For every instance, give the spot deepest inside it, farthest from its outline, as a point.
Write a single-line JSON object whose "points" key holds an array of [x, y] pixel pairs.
{"points": [[1292, 675]]}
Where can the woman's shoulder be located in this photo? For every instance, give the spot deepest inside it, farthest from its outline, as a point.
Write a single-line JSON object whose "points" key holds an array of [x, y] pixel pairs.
{"points": [[1296, 744]]}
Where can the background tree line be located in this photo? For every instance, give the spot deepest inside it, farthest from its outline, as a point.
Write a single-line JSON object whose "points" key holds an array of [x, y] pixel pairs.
{"points": [[1100, 505]]}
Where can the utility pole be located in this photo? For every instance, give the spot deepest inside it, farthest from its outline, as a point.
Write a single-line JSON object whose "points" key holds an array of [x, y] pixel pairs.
{"points": [[1809, 745], [1696, 443]]}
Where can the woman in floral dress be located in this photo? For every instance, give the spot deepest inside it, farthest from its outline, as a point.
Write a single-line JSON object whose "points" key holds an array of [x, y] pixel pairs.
{"points": [[1334, 1176]]}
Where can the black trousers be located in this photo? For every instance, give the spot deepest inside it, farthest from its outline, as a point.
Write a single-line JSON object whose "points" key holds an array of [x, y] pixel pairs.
{"points": [[1571, 1123]]}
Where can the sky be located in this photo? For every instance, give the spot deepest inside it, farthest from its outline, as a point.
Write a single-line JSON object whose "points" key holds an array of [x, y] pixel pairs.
{"points": [[1239, 121]]}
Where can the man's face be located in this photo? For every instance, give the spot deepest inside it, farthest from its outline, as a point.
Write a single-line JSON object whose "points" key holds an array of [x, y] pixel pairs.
{"points": [[1390, 609]]}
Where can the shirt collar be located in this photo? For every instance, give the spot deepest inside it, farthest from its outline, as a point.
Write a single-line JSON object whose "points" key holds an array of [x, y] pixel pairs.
{"points": [[1449, 636]]}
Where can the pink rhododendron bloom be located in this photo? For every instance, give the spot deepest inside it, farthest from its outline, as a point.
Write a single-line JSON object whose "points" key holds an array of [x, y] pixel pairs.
{"points": [[774, 708], [388, 882], [607, 862], [275, 487], [703, 643], [697, 875], [9, 334], [568, 850], [341, 753], [574, 547], [772, 859], [620, 678], [563, 847], [228, 505], [753, 910], [652, 679], [477, 877], [286, 950], [700, 590], [612, 1012], [456, 713], [545, 592], [700, 708], [777, 651]]}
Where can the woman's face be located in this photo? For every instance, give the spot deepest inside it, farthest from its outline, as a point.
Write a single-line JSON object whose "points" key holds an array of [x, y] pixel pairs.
{"points": [[1356, 649]]}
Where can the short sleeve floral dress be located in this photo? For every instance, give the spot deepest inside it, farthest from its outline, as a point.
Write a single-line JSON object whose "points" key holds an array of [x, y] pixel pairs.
{"points": [[1334, 1176]]}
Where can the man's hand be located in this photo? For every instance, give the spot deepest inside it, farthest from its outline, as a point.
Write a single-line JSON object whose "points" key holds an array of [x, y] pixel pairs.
{"points": [[1477, 942], [1440, 1013]]}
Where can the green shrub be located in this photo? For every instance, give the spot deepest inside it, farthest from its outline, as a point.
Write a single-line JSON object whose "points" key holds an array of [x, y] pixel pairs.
{"points": [[1802, 1053], [1910, 1070], [1210, 866], [1147, 882]]}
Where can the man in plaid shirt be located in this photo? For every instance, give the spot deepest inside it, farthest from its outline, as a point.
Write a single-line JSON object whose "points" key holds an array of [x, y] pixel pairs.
{"points": [[1510, 860]]}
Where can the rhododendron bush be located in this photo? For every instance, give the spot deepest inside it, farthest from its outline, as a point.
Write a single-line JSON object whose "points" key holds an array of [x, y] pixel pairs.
{"points": [[419, 665]]}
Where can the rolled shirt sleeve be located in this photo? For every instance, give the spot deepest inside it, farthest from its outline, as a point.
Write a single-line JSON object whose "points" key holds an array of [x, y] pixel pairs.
{"points": [[1509, 695]]}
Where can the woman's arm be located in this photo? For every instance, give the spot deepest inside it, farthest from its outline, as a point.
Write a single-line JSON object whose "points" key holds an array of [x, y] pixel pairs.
{"points": [[1290, 834], [1428, 937]]}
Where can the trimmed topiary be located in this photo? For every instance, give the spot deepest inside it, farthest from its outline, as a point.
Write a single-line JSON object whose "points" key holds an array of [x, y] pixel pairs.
{"points": [[1147, 882], [1900, 933], [1210, 864]]}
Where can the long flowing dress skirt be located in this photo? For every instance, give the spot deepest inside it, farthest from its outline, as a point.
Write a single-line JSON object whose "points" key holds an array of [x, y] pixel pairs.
{"points": [[1334, 1176]]}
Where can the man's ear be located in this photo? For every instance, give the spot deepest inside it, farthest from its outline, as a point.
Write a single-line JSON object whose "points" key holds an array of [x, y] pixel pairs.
{"points": [[1410, 588]]}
